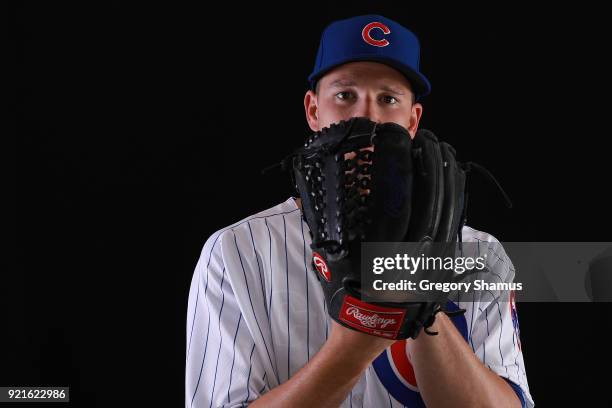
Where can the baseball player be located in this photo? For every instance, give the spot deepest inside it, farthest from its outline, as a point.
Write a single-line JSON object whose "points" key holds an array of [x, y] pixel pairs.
{"points": [[258, 327]]}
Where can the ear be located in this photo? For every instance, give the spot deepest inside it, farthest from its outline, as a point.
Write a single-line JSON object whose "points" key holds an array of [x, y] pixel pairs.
{"points": [[415, 117], [312, 110]]}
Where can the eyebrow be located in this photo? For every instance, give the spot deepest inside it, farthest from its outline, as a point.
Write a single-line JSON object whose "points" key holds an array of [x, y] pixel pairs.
{"points": [[339, 83], [389, 89], [343, 82]]}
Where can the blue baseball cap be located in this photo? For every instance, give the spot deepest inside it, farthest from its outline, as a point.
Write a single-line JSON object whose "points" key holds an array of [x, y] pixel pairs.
{"points": [[370, 38]]}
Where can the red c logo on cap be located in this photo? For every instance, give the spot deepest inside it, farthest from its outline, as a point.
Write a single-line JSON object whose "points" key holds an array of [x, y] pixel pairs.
{"points": [[365, 34]]}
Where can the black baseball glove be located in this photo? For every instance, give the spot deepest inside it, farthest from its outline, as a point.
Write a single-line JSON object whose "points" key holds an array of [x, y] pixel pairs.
{"points": [[361, 181]]}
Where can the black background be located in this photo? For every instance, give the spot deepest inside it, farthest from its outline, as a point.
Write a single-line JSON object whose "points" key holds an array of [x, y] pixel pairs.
{"points": [[141, 130]]}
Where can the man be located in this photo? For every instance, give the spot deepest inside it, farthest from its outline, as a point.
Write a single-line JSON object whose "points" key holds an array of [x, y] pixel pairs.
{"points": [[258, 332]]}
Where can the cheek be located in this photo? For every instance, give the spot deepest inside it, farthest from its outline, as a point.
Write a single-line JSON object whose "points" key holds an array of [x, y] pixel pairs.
{"points": [[330, 112], [401, 117]]}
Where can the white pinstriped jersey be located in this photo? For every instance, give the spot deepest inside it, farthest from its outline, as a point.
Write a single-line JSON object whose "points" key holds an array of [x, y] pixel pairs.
{"points": [[256, 315]]}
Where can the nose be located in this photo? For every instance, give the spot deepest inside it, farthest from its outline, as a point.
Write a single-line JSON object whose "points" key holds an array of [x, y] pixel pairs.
{"points": [[368, 108]]}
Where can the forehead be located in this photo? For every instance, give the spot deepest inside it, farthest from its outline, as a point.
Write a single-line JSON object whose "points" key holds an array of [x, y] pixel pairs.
{"points": [[365, 73]]}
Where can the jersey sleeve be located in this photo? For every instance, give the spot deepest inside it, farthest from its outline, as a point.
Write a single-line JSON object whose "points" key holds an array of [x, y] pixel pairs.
{"points": [[224, 366], [493, 325]]}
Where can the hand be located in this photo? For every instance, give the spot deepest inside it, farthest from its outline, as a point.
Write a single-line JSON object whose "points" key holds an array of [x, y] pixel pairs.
{"points": [[356, 346]]}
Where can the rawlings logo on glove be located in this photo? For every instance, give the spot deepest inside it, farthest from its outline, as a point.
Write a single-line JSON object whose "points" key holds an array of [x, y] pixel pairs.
{"points": [[321, 266], [371, 318]]}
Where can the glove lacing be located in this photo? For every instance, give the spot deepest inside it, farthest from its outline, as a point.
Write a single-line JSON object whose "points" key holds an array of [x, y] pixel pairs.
{"points": [[354, 197]]}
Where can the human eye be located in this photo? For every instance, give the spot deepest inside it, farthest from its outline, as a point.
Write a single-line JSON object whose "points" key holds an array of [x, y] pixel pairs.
{"points": [[388, 99], [345, 95]]}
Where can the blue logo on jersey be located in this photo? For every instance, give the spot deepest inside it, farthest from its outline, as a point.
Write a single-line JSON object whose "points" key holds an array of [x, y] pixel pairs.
{"points": [[394, 369]]}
